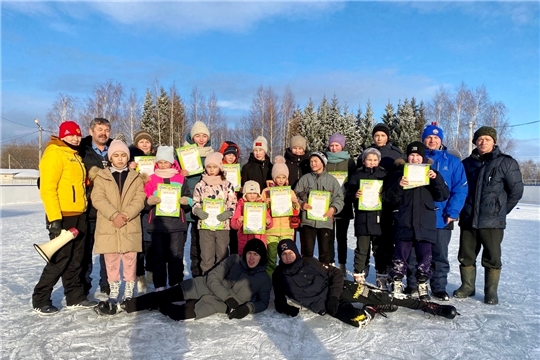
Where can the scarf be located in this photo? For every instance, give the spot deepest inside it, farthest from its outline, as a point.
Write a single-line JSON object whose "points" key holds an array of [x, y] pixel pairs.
{"points": [[334, 158], [212, 180], [166, 173]]}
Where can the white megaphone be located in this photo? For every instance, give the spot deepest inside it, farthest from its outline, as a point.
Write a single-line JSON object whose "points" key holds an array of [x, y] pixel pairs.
{"points": [[48, 249]]}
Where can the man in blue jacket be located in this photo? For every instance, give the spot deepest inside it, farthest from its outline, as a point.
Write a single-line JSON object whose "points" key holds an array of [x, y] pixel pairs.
{"points": [[453, 172]]}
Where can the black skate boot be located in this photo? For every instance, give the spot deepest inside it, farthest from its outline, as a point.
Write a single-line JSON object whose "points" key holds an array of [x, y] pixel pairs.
{"points": [[107, 308], [446, 311]]}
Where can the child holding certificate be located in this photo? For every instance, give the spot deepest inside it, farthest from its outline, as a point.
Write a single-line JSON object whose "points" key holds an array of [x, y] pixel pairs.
{"points": [[231, 158], [282, 201], [252, 193], [367, 221], [258, 168], [214, 202], [118, 196], [414, 219], [167, 221]]}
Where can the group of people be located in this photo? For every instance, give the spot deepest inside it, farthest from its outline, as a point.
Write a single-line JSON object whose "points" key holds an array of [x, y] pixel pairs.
{"points": [[93, 184]]}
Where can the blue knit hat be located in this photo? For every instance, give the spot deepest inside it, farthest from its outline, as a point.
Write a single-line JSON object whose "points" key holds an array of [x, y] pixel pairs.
{"points": [[433, 129]]}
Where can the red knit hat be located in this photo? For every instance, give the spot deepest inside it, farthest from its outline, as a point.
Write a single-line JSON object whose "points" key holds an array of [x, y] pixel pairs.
{"points": [[69, 128]]}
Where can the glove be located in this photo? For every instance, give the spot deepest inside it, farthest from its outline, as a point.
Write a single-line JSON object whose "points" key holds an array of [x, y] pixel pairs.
{"points": [[291, 310], [240, 312], [224, 215], [153, 200], [55, 228], [332, 305], [184, 200], [231, 303], [203, 215]]}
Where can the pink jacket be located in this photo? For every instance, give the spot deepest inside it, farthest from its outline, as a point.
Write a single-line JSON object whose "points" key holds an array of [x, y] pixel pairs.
{"points": [[238, 225]]}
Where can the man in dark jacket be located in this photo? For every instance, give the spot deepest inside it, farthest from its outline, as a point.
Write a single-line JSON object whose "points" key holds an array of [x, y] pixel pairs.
{"points": [[94, 153], [495, 187], [306, 283]]}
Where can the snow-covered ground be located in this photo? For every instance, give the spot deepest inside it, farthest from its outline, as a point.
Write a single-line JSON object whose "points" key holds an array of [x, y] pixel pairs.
{"points": [[510, 330]]}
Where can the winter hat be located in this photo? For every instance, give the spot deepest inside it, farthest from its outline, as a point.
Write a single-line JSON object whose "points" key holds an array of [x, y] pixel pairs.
{"points": [[287, 244], [251, 187], [321, 156], [257, 246], [485, 130], [142, 135], [69, 128], [215, 158], [117, 145], [371, 151], [261, 143], [165, 153], [199, 128], [433, 129], [381, 127], [416, 147], [280, 168], [337, 138], [298, 141]]}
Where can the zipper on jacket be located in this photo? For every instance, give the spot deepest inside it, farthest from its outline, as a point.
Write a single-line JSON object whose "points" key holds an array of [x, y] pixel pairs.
{"points": [[73, 192]]}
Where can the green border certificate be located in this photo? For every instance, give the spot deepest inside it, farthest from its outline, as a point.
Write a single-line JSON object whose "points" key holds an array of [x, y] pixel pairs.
{"points": [[232, 172], [320, 203], [281, 201], [145, 164], [254, 218], [190, 159], [340, 176], [417, 174], [169, 195], [213, 207], [371, 195]]}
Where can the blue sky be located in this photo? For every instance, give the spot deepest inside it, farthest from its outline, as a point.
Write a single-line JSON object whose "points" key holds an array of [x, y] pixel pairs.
{"points": [[382, 51]]}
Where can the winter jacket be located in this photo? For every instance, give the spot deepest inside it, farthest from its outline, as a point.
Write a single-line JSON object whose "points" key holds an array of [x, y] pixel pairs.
{"points": [[365, 222], [224, 191], [414, 216], [453, 173], [90, 159], [236, 224], [62, 181], [281, 225], [348, 165], [325, 182], [231, 278], [307, 282], [389, 154], [109, 203], [256, 170], [298, 166], [166, 224], [495, 187]]}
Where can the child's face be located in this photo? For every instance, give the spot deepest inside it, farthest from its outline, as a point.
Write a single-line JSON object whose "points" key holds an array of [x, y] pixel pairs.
{"points": [[200, 139], [230, 158], [415, 158], [297, 150], [212, 169], [163, 164], [280, 180], [144, 145], [252, 197], [316, 164], [119, 159], [380, 138], [259, 154], [371, 161], [335, 147]]}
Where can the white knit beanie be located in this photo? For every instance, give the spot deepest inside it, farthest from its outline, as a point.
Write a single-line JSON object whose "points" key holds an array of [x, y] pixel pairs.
{"points": [[165, 153], [199, 128], [261, 143]]}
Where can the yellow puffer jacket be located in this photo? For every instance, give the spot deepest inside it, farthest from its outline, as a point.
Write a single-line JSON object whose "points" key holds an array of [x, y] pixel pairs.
{"points": [[62, 181]]}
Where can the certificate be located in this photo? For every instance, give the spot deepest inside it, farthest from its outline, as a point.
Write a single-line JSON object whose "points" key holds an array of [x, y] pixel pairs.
{"points": [[145, 164], [340, 176], [254, 218], [320, 203], [169, 195], [416, 174], [213, 207], [190, 159], [371, 195], [232, 172], [281, 201]]}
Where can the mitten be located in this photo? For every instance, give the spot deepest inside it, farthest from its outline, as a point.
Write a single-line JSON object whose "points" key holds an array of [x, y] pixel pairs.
{"points": [[203, 215], [231, 303], [153, 200], [55, 228], [224, 215], [184, 200], [332, 305], [240, 312]]}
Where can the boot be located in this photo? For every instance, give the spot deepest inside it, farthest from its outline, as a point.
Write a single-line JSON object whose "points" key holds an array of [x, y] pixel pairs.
{"points": [[115, 291], [446, 311], [359, 278], [141, 285], [128, 290], [382, 281], [423, 293], [491, 283], [397, 286], [468, 279]]}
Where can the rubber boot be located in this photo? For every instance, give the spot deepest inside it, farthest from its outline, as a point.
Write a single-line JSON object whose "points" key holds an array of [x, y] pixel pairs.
{"points": [[491, 283], [468, 279]]}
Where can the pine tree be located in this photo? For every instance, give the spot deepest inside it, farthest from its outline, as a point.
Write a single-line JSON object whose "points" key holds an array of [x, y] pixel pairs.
{"points": [[308, 126], [405, 126], [178, 111], [349, 129], [367, 122], [389, 118], [163, 117], [419, 117], [147, 120]]}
